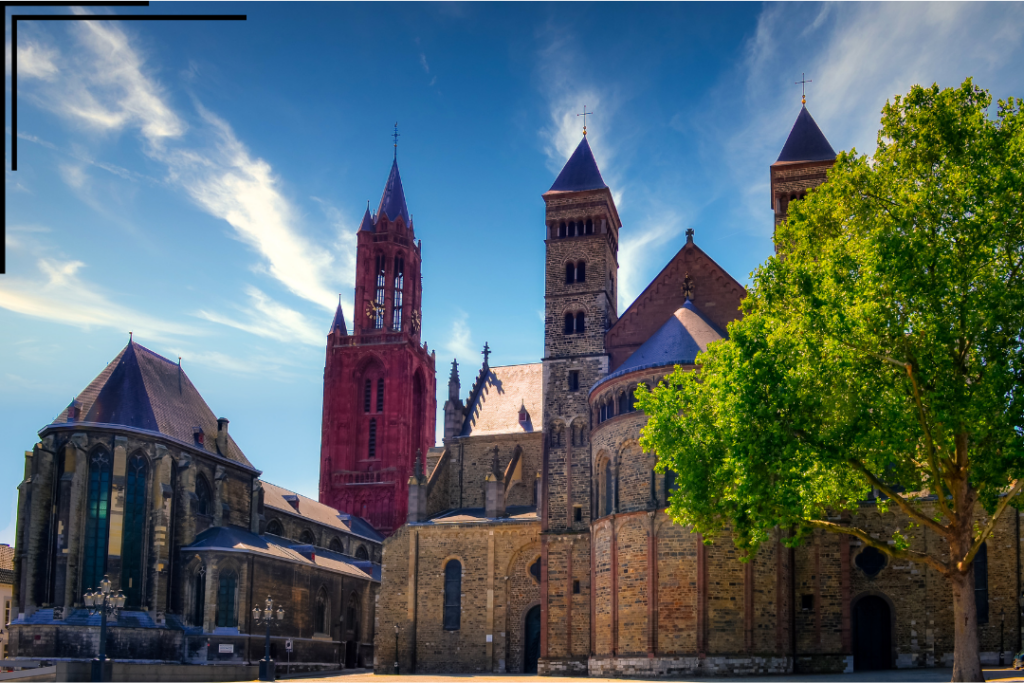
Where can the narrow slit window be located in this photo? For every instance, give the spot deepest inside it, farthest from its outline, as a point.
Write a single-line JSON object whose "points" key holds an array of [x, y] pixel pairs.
{"points": [[561, 229], [580, 323], [396, 315], [570, 273], [568, 323], [574, 380], [366, 395], [372, 448], [581, 271], [380, 395], [452, 595], [590, 226], [981, 583]]}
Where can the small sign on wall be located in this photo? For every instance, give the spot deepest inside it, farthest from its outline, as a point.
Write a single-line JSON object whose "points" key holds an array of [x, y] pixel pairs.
{"points": [[226, 648], [288, 644]]}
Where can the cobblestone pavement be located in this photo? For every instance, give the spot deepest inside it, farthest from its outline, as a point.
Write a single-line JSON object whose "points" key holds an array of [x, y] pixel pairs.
{"points": [[894, 676]]}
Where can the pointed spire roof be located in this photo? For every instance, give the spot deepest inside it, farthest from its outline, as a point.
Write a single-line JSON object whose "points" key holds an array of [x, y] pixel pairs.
{"points": [[392, 202], [806, 142], [339, 320], [367, 222], [580, 172]]}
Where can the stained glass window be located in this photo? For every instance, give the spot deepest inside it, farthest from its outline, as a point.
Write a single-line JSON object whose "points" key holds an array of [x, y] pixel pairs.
{"points": [[452, 595], [227, 615], [97, 521], [134, 530]]}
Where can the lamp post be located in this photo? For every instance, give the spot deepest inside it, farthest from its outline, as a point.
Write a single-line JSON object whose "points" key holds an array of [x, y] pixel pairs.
{"points": [[266, 616], [105, 602], [396, 649]]}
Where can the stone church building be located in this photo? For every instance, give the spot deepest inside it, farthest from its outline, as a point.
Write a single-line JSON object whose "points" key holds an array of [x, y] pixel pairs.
{"points": [[137, 480], [537, 538]]}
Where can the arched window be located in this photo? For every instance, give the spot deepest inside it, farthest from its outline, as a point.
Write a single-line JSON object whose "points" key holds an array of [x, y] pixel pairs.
{"points": [[623, 403], [396, 310], [274, 527], [97, 521], [199, 596], [581, 271], [452, 595], [372, 450], [981, 583], [572, 228], [631, 392], [590, 226], [561, 229], [307, 537], [380, 395], [670, 484], [361, 553], [606, 489], [204, 497], [603, 413], [580, 323], [378, 320], [322, 618], [570, 273], [366, 395], [568, 323], [335, 545], [134, 529], [227, 612]]}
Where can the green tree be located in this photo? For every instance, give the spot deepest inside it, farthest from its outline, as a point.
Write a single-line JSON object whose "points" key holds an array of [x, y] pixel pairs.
{"points": [[881, 350]]}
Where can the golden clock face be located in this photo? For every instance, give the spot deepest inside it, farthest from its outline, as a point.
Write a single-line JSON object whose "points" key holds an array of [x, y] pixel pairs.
{"points": [[374, 309], [414, 321]]}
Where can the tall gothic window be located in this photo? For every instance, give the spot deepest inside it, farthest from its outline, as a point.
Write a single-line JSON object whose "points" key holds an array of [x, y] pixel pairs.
{"points": [[380, 395], [97, 521], [227, 613], [378, 320], [452, 595], [361, 553], [204, 496], [366, 395], [372, 450], [396, 322], [199, 596], [322, 618], [606, 508], [981, 583], [274, 527], [134, 530]]}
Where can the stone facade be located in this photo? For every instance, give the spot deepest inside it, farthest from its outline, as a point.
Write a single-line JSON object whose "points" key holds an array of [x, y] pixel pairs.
{"points": [[137, 481], [587, 574]]}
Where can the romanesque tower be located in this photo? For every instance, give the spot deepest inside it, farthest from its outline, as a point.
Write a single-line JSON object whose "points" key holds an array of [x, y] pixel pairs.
{"points": [[379, 381], [802, 165], [581, 268]]}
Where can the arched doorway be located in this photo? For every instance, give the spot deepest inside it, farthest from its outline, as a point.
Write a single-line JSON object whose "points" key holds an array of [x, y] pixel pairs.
{"points": [[872, 634], [531, 640]]}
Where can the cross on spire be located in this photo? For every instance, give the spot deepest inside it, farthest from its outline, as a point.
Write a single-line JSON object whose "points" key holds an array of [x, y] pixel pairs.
{"points": [[803, 87], [486, 352], [585, 114], [396, 135]]}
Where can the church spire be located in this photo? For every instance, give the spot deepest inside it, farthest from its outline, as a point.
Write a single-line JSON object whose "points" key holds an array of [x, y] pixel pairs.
{"points": [[392, 200], [580, 172], [806, 142], [339, 320]]}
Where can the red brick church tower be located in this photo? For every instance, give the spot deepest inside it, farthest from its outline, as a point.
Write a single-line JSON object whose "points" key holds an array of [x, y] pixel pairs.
{"points": [[379, 383]]}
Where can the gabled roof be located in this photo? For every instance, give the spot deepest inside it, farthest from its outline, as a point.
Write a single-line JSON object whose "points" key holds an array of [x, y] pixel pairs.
{"points": [[339, 321], [392, 201], [367, 223], [494, 409], [580, 172], [315, 511], [806, 142], [685, 334], [143, 390], [239, 540]]}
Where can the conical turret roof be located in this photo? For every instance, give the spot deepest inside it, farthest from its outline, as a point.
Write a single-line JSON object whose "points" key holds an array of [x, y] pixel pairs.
{"points": [[806, 142], [392, 201], [367, 222], [580, 172], [339, 321]]}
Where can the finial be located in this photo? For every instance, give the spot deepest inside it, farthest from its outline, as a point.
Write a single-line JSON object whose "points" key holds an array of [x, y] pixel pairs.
{"points": [[803, 87], [395, 135], [689, 235], [585, 114], [179, 361], [687, 288], [486, 352], [129, 337]]}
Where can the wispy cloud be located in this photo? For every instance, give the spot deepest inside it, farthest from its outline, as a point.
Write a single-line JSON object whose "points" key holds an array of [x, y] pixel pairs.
{"points": [[265, 317], [641, 250], [460, 338], [35, 60], [60, 293]]}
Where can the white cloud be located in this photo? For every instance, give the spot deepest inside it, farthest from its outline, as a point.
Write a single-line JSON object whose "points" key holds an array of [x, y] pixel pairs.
{"points": [[35, 60], [423, 63], [74, 175], [265, 317], [459, 343], [639, 249], [60, 294]]}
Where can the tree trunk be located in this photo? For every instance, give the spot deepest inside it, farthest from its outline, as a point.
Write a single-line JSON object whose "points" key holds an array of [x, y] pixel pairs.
{"points": [[966, 660]]}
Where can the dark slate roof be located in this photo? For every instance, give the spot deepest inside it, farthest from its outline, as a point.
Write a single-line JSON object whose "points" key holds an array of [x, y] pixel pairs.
{"points": [[237, 539], [315, 511], [580, 172], [367, 224], [515, 513], [685, 334], [392, 202], [806, 142], [143, 390], [7, 577], [339, 321]]}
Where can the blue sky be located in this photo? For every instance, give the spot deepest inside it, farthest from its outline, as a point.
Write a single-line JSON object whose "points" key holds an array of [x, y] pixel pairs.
{"points": [[199, 183]]}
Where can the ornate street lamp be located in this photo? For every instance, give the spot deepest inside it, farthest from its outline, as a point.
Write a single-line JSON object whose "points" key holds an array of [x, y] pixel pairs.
{"points": [[106, 603], [266, 616]]}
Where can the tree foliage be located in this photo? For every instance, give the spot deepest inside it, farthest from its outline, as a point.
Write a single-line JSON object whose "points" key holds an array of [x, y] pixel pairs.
{"points": [[881, 349]]}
